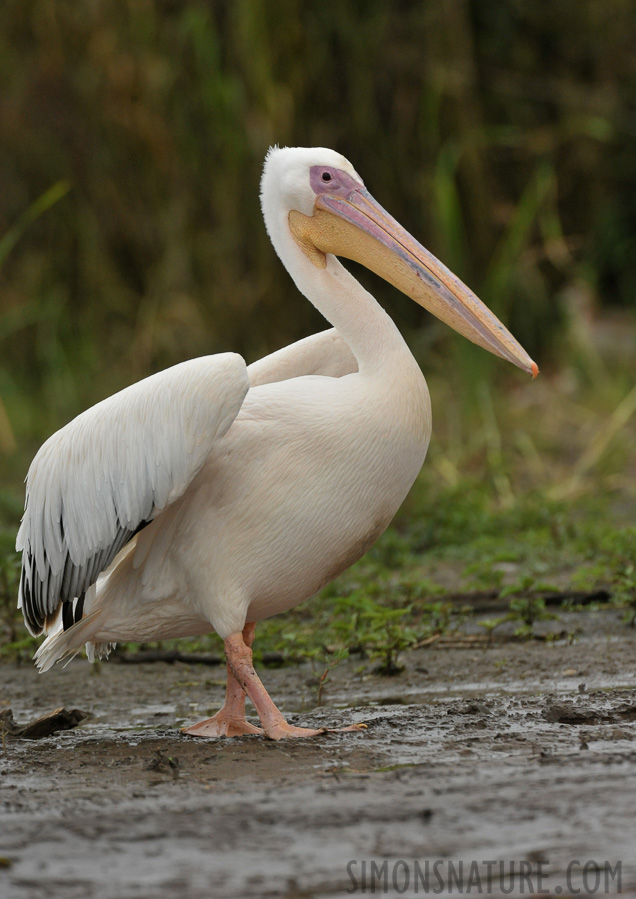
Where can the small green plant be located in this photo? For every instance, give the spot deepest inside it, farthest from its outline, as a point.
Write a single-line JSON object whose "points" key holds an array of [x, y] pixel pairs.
{"points": [[614, 568], [385, 634], [490, 625], [528, 610], [524, 609], [322, 665], [624, 591]]}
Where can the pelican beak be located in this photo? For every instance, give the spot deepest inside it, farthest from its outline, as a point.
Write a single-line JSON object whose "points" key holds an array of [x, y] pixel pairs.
{"points": [[350, 223]]}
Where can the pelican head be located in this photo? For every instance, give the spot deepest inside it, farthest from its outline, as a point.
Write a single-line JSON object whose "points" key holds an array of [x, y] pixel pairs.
{"points": [[323, 202]]}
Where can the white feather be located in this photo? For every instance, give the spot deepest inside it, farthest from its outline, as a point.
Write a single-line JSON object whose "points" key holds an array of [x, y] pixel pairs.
{"points": [[122, 461]]}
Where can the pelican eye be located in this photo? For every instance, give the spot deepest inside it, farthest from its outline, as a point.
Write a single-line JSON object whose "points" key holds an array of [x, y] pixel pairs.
{"points": [[326, 176]]}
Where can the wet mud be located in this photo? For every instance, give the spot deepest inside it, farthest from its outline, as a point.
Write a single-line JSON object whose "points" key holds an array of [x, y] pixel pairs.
{"points": [[520, 753]]}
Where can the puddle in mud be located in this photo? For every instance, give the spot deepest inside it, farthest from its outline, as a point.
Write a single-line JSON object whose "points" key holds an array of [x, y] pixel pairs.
{"points": [[518, 751]]}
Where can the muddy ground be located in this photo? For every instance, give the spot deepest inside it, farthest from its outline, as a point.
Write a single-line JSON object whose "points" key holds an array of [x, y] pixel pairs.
{"points": [[520, 753]]}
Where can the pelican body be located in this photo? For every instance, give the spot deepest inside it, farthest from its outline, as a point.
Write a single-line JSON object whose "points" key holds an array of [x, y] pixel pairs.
{"points": [[215, 494]]}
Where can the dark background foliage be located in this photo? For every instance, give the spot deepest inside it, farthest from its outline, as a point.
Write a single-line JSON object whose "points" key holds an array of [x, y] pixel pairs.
{"points": [[500, 132]]}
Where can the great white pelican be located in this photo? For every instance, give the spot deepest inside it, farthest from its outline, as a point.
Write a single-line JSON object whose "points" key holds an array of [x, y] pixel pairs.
{"points": [[215, 494]]}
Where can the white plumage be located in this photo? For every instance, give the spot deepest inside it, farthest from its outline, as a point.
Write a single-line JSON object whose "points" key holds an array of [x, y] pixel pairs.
{"points": [[213, 495]]}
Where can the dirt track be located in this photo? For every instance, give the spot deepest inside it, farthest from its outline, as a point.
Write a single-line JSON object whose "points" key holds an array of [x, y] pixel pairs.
{"points": [[519, 753]]}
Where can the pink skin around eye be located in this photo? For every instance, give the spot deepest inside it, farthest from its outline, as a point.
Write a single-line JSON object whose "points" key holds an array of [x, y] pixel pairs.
{"points": [[339, 185]]}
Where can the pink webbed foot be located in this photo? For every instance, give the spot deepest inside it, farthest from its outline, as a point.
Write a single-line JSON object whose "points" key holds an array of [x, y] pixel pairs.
{"points": [[283, 731], [222, 725], [238, 654], [230, 721], [242, 680]]}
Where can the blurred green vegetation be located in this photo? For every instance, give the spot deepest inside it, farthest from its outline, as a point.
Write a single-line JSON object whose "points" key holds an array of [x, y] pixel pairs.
{"points": [[499, 132]]}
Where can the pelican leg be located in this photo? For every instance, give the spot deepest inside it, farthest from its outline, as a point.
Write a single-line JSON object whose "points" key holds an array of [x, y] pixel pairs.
{"points": [[239, 659], [229, 721]]}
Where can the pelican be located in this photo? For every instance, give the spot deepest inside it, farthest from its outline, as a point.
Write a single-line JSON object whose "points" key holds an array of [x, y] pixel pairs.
{"points": [[213, 495]]}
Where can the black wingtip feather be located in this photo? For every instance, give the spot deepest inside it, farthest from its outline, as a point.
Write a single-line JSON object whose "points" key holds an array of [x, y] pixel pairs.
{"points": [[38, 597], [67, 615], [79, 608], [33, 620]]}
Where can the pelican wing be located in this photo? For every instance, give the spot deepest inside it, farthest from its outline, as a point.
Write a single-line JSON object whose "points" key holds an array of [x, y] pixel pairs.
{"points": [[107, 473], [325, 353]]}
